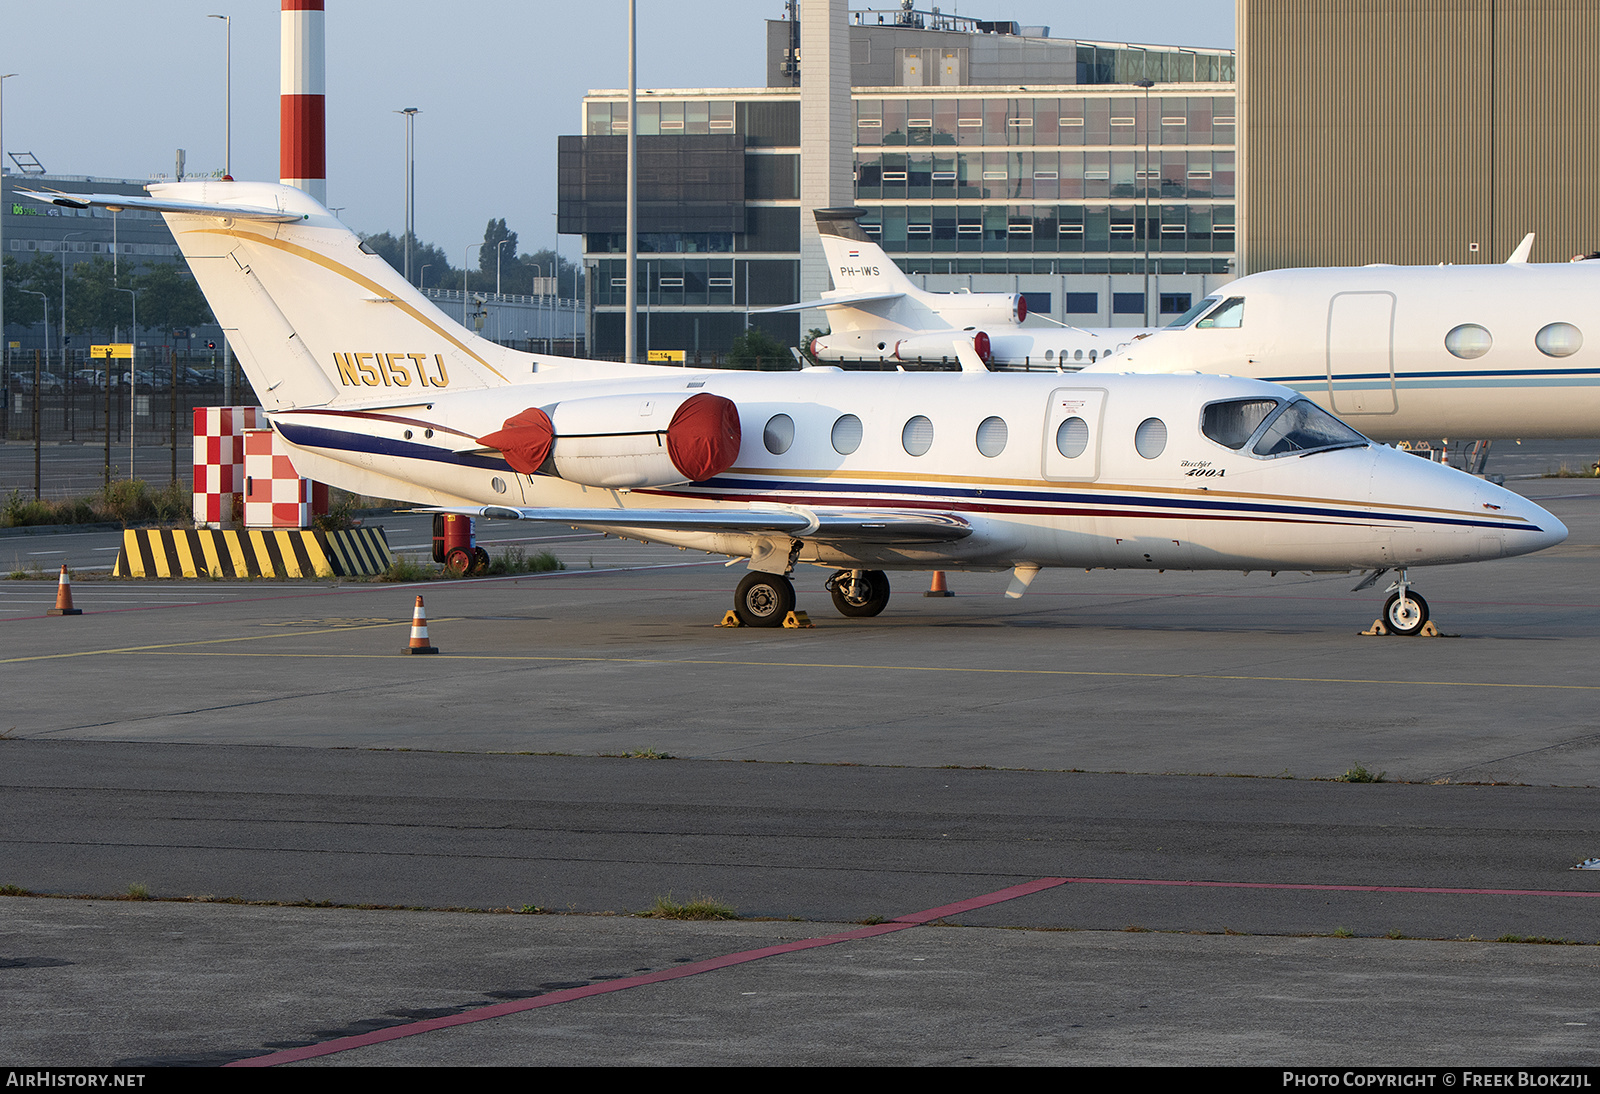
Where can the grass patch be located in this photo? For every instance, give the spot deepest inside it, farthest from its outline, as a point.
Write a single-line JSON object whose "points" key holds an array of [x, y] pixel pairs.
{"points": [[405, 571], [14, 890], [637, 754], [1343, 932], [514, 560], [1359, 774], [1567, 471], [700, 907], [137, 891], [1537, 940], [125, 501]]}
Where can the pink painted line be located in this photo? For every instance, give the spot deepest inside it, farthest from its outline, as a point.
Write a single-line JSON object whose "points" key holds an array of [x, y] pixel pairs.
{"points": [[1323, 888], [1000, 896], [501, 1010]]}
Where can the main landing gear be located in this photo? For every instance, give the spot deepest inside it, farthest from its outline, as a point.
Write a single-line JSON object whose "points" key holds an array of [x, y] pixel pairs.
{"points": [[859, 592], [762, 600]]}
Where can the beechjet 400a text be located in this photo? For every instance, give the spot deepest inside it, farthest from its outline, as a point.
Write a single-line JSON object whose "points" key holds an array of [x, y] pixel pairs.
{"points": [[377, 391]]}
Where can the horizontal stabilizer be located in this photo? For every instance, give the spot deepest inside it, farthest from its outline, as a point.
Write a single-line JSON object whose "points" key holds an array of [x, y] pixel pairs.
{"points": [[843, 300], [884, 526], [160, 205]]}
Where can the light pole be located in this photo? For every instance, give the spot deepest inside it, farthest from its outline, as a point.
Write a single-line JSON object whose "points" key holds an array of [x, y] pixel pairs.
{"points": [[411, 113], [5, 346], [133, 378], [497, 253], [38, 383], [464, 255], [1147, 85], [227, 100], [630, 342], [422, 278]]}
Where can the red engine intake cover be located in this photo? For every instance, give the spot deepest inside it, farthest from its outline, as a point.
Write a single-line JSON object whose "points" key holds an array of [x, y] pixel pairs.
{"points": [[524, 440], [1022, 309], [703, 438], [980, 344]]}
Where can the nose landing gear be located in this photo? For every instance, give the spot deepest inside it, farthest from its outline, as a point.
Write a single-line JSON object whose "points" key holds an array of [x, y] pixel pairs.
{"points": [[1404, 613]]}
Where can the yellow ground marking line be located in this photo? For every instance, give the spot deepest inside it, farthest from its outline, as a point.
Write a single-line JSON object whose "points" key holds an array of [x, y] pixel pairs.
{"points": [[175, 646], [176, 649]]}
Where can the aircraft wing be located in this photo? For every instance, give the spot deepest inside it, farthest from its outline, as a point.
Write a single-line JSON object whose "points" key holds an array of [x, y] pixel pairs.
{"points": [[845, 300], [160, 205], [883, 526]]}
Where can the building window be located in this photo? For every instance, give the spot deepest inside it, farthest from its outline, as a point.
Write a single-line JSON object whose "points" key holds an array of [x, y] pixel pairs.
{"points": [[1127, 303], [1082, 303], [1175, 303]]}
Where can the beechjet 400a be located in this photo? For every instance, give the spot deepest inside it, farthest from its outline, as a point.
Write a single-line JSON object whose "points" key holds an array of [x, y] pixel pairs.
{"points": [[376, 391]]}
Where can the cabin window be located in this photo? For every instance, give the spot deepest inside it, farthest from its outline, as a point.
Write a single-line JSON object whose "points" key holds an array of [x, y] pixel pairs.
{"points": [[1303, 426], [847, 434], [1559, 340], [1468, 341], [1233, 423], [1229, 316], [917, 436], [779, 434], [1150, 439], [992, 436], [1072, 438]]}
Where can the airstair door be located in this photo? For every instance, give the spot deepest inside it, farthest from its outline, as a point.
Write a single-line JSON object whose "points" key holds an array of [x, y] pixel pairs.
{"points": [[1361, 353], [1072, 433]]}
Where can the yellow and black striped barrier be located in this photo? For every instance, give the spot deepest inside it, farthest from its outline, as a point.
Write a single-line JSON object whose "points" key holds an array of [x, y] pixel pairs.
{"points": [[269, 552]]}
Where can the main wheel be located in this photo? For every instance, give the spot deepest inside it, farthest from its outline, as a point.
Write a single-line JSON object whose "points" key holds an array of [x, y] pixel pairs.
{"points": [[1405, 615], [762, 600], [865, 595]]}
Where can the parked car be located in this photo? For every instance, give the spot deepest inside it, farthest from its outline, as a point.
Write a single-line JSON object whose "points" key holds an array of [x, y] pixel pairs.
{"points": [[22, 380]]}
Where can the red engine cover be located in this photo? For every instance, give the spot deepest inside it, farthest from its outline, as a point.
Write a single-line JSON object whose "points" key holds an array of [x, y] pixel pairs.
{"points": [[980, 344], [1022, 309], [703, 438], [524, 440]]}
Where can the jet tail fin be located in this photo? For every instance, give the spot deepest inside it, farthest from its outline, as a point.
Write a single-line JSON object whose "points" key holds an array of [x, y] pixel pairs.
{"points": [[856, 263], [314, 317]]}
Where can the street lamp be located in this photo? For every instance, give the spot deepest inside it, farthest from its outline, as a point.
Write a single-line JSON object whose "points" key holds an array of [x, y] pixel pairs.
{"points": [[5, 346], [38, 383], [464, 255], [1147, 85], [227, 99], [422, 278], [497, 253], [411, 113], [133, 378]]}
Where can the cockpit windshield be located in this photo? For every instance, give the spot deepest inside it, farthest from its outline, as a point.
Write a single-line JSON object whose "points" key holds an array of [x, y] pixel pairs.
{"points": [[1193, 313], [1229, 315], [1277, 427], [1303, 426]]}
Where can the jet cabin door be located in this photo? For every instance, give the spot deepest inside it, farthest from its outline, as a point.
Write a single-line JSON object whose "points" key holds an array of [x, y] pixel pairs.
{"points": [[1361, 353], [1072, 433]]}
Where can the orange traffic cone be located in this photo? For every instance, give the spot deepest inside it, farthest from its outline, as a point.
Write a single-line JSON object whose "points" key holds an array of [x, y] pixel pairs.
{"points": [[939, 587], [64, 597], [419, 632]]}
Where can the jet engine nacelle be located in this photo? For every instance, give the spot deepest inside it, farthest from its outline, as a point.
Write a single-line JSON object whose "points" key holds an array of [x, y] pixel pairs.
{"points": [[936, 347], [981, 309], [624, 441]]}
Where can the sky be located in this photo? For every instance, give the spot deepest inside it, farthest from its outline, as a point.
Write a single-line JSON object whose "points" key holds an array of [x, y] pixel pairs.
{"points": [[117, 88]]}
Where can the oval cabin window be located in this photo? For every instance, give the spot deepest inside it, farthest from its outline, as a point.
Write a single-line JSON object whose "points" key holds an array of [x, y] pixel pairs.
{"points": [[917, 436], [1072, 438], [1468, 341], [1559, 340], [1151, 438], [779, 434]]}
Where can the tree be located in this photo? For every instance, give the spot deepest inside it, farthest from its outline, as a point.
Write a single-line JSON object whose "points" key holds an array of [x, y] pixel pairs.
{"points": [[391, 248], [492, 235], [757, 349], [169, 297]]}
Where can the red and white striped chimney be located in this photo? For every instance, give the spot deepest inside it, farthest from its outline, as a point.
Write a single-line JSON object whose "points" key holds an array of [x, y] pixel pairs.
{"points": [[302, 129]]}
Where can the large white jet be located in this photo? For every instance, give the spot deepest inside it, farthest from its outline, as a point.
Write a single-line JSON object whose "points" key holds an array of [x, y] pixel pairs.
{"points": [[377, 391], [1407, 352], [876, 314]]}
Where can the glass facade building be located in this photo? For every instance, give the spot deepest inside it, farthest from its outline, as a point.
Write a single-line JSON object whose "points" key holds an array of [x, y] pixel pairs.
{"points": [[1108, 204]]}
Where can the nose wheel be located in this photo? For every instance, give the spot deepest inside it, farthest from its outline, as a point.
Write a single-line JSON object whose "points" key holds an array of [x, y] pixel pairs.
{"points": [[1404, 613]]}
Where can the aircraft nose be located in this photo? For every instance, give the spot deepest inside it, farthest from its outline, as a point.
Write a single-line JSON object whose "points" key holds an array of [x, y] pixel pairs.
{"points": [[1531, 528]]}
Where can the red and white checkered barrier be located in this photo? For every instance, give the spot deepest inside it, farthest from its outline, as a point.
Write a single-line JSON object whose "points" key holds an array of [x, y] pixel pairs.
{"points": [[275, 494], [241, 474], [219, 462]]}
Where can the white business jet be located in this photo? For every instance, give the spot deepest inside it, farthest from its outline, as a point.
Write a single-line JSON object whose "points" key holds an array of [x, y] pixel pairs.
{"points": [[377, 391], [877, 315], [1403, 352]]}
